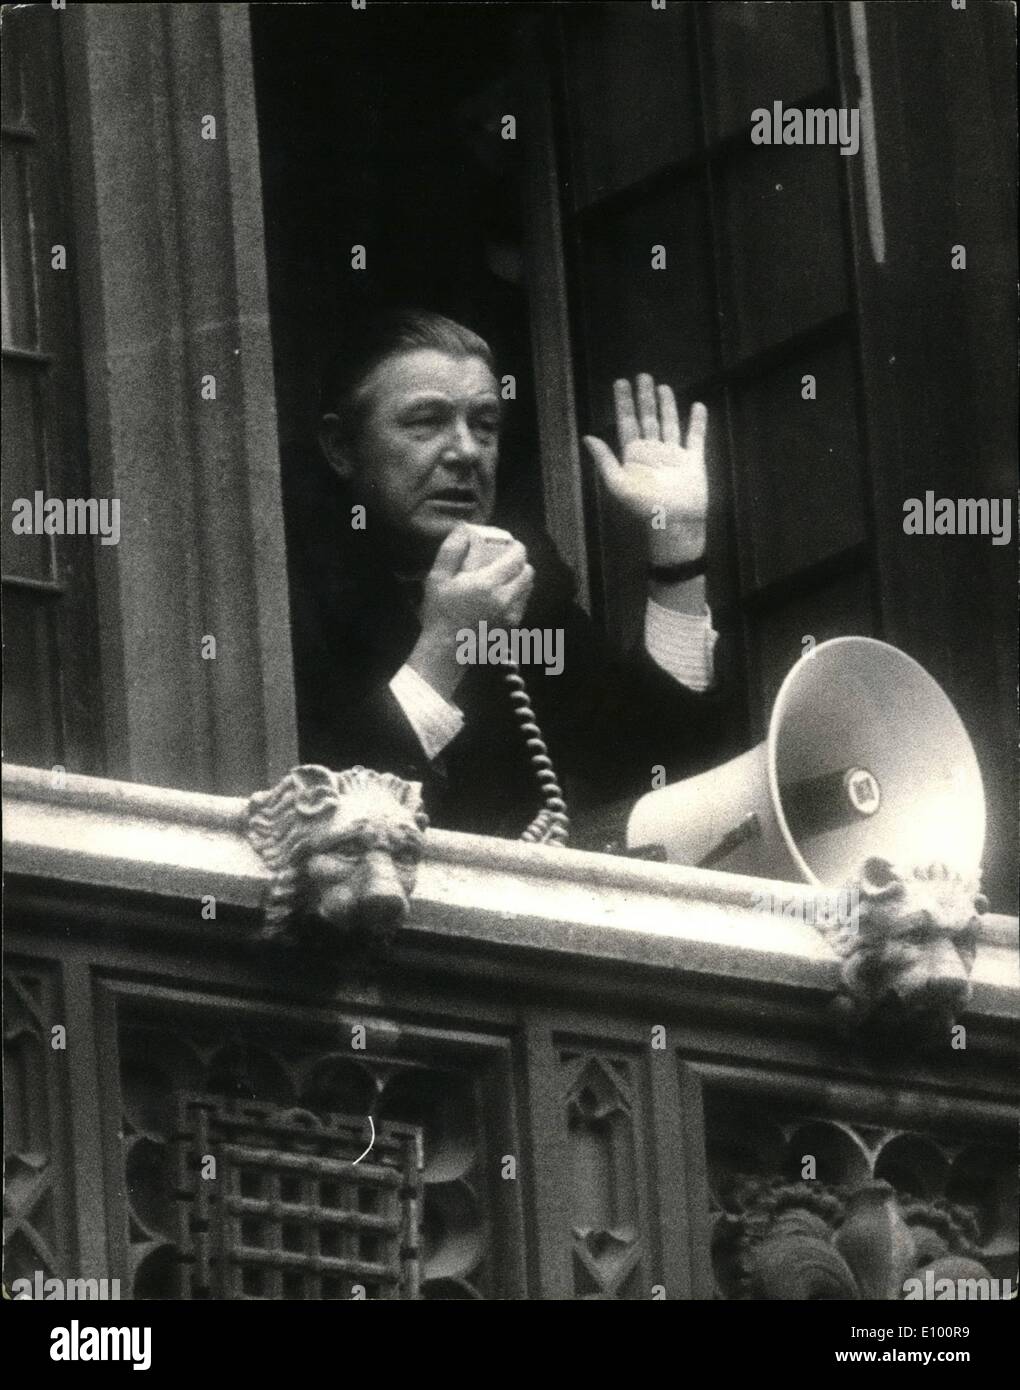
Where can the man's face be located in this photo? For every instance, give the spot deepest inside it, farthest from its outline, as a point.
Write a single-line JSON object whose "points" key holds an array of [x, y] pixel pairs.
{"points": [[425, 459]]}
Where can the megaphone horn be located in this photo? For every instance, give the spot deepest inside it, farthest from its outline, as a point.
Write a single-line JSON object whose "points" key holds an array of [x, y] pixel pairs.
{"points": [[865, 755]]}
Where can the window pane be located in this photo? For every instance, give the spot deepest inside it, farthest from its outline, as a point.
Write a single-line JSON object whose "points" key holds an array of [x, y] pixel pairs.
{"points": [[632, 86], [23, 467], [840, 609], [51, 655], [800, 463], [786, 246], [14, 22], [30, 711], [19, 308], [761, 54], [644, 320]]}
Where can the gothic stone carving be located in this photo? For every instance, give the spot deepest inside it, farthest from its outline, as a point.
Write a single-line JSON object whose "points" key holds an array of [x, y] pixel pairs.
{"points": [[292, 1213], [602, 1114], [909, 950], [37, 1177], [809, 1241], [290, 1103], [344, 848]]}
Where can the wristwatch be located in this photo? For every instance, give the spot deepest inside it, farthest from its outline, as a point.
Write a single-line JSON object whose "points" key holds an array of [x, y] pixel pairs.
{"points": [[677, 574]]}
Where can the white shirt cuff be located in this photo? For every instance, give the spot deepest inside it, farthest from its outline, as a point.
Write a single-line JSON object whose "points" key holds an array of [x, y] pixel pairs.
{"points": [[433, 719], [682, 644]]}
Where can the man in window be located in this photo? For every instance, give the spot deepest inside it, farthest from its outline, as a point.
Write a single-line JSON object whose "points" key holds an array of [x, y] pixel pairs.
{"points": [[383, 593]]}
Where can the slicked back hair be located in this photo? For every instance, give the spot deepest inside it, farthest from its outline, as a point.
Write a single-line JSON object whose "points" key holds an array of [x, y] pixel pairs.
{"points": [[388, 333]]}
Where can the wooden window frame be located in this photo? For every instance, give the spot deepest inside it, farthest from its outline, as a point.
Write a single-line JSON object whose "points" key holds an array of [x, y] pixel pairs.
{"points": [[64, 600]]}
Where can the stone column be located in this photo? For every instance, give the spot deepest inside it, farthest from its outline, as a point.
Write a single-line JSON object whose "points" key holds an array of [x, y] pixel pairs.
{"points": [[171, 270]]}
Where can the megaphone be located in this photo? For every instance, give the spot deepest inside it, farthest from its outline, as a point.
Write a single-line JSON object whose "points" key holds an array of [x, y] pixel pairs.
{"points": [[865, 755]]}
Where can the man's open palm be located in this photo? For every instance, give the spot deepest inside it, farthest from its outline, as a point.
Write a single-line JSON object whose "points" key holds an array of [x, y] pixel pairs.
{"points": [[660, 478]]}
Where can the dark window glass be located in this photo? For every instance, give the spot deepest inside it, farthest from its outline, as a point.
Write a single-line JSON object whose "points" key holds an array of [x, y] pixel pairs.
{"points": [[51, 649]]}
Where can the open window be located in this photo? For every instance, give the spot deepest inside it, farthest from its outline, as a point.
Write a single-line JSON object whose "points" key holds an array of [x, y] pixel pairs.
{"points": [[51, 676], [384, 128], [791, 295]]}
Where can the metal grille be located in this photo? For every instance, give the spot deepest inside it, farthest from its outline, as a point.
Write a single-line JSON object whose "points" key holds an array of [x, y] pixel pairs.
{"points": [[272, 1205]]}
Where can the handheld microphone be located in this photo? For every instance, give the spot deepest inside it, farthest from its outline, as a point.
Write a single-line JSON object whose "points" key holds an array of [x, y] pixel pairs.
{"points": [[551, 826]]}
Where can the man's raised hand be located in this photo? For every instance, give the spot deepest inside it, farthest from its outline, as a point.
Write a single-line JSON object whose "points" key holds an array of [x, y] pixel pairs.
{"points": [[659, 477]]}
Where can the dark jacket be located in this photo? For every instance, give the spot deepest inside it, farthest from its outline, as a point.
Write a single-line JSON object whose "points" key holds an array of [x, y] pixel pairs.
{"points": [[607, 722]]}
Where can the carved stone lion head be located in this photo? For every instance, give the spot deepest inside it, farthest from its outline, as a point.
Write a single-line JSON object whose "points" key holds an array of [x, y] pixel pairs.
{"points": [[909, 950], [344, 848]]}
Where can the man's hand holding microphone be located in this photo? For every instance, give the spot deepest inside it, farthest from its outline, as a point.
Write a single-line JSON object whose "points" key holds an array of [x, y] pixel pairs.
{"points": [[479, 574]]}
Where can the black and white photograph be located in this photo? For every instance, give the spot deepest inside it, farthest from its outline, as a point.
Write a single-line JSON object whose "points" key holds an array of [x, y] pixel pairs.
{"points": [[510, 664]]}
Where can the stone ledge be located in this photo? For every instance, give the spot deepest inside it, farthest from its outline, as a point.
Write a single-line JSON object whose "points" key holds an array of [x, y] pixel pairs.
{"points": [[161, 841]]}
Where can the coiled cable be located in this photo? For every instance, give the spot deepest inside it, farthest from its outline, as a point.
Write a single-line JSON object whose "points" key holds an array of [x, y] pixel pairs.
{"points": [[552, 824]]}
